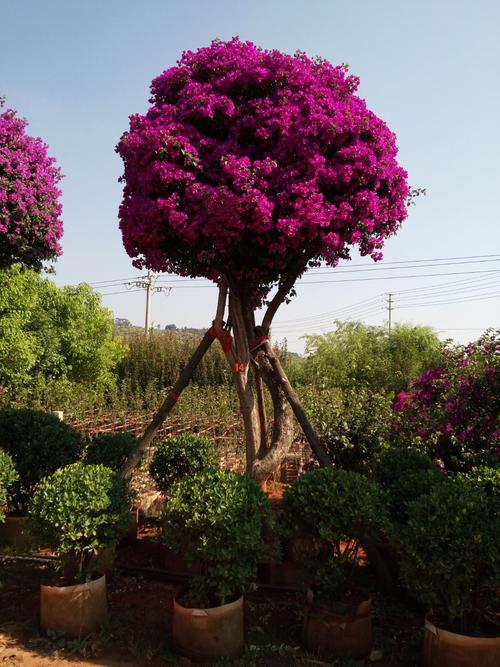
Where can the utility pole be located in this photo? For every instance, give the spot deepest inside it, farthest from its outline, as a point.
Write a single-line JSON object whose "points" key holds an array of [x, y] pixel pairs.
{"points": [[390, 309], [147, 284]]}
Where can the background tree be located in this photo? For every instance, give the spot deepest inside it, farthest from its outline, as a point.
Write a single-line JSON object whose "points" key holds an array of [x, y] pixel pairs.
{"points": [[53, 334], [249, 167], [30, 223], [356, 355]]}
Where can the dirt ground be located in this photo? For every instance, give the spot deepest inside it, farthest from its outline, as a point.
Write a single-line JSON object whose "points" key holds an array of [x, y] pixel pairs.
{"points": [[138, 632]]}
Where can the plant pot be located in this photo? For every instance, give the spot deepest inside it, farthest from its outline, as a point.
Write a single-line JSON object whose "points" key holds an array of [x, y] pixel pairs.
{"points": [[443, 648], [75, 610], [334, 635], [203, 634], [14, 532]]}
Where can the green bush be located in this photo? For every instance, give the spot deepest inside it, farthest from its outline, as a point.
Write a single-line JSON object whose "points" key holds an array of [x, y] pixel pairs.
{"points": [[353, 425], [328, 513], [450, 552], [8, 475], [77, 512], [405, 474], [179, 456], [485, 477], [39, 444], [219, 518], [110, 449]]}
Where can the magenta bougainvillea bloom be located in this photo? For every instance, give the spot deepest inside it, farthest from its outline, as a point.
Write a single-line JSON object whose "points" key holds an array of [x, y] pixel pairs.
{"points": [[455, 409], [30, 212], [256, 164]]}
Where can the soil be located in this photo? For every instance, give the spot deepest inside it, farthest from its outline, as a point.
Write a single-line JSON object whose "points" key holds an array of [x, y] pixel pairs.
{"points": [[140, 595]]}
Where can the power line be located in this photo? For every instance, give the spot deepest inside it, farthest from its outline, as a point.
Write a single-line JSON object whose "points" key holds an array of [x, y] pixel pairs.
{"points": [[493, 295]]}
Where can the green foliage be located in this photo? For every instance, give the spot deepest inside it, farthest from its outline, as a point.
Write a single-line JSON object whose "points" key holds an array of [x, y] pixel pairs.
{"points": [[221, 519], [353, 424], [39, 443], [161, 357], [78, 511], [405, 474], [50, 334], [328, 513], [8, 475], [110, 449], [357, 355], [179, 456], [450, 552], [487, 478]]}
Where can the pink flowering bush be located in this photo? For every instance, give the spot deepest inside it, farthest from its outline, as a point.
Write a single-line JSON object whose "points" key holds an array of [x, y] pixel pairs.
{"points": [[30, 222], [455, 410], [256, 164]]}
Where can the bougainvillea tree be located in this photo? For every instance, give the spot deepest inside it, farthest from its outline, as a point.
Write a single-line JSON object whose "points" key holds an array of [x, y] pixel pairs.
{"points": [[454, 410], [249, 167], [30, 222]]}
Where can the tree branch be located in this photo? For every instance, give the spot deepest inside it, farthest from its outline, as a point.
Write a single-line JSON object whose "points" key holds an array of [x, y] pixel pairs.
{"points": [[277, 300], [179, 386]]}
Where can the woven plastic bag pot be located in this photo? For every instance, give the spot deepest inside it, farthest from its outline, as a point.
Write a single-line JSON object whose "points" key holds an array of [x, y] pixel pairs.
{"points": [[75, 610], [449, 649], [334, 635], [202, 634]]}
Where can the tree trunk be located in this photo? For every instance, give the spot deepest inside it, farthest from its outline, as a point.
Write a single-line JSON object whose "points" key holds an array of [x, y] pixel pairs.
{"points": [[239, 359], [269, 458], [298, 410]]}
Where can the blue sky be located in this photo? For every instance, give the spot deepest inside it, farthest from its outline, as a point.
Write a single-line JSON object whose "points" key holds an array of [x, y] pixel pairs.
{"points": [[77, 70]]}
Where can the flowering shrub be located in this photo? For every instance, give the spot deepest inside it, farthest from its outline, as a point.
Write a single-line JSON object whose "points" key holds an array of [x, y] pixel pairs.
{"points": [[30, 223], [256, 164], [455, 409]]}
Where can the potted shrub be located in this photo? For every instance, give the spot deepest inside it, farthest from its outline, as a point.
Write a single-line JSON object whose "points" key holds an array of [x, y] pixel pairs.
{"points": [[78, 512], [8, 475], [179, 456], [405, 474], [39, 443], [112, 450], [450, 562], [328, 513], [220, 519]]}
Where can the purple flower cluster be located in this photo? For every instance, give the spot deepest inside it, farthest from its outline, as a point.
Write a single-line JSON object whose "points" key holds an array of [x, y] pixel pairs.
{"points": [[256, 164], [456, 409], [30, 223]]}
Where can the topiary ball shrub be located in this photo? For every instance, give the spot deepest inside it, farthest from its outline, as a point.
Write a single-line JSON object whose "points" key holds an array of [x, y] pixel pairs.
{"points": [[77, 512], [179, 456], [329, 513], [39, 444], [405, 474], [8, 475], [110, 449], [221, 519], [450, 553]]}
